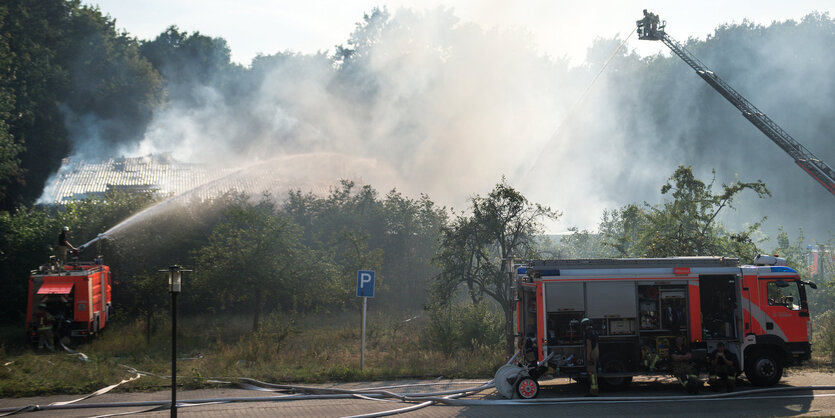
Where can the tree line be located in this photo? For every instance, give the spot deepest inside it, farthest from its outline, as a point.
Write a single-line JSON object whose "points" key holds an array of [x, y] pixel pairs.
{"points": [[300, 254], [250, 255]]}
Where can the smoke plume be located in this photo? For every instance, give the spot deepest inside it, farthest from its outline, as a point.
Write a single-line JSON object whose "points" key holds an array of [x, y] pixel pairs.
{"points": [[449, 107]]}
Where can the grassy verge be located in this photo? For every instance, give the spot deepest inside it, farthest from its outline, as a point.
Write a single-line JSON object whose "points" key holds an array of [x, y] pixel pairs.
{"points": [[310, 349]]}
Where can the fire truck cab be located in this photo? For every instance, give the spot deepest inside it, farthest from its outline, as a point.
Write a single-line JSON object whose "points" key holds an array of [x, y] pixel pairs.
{"points": [[77, 296], [639, 306]]}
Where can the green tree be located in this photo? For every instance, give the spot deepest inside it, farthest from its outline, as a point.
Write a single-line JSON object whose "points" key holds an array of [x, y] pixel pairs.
{"points": [[112, 90], [686, 225], [351, 252], [622, 230], [27, 238], [251, 255], [366, 34], [34, 32], [10, 150], [187, 62], [794, 252], [356, 227], [64, 72], [145, 296], [410, 240], [474, 249]]}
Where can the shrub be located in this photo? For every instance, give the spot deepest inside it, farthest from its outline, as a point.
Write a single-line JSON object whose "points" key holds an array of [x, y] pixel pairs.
{"points": [[480, 326], [442, 331], [825, 333], [456, 327]]}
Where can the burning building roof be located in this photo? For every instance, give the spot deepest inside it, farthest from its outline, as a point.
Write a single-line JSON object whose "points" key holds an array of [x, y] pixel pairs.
{"points": [[157, 173], [314, 173]]}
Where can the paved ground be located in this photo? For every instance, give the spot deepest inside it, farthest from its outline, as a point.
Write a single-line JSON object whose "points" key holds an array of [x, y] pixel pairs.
{"points": [[668, 400]]}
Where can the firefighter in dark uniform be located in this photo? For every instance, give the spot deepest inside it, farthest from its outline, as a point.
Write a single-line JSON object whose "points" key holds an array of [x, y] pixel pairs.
{"points": [[654, 20], [723, 365], [64, 245], [644, 24], [592, 354], [682, 366]]}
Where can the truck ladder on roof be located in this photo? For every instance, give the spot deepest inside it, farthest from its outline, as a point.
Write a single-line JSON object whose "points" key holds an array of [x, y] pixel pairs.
{"points": [[812, 165]]}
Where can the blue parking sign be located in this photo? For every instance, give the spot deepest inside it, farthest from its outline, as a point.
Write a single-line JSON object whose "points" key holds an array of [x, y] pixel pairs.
{"points": [[365, 283]]}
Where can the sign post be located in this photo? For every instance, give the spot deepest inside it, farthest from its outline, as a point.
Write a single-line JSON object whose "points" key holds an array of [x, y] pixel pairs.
{"points": [[365, 289]]}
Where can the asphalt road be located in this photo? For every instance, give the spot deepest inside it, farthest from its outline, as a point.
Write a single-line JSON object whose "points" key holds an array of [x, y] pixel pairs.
{"points": [[558, 398]]}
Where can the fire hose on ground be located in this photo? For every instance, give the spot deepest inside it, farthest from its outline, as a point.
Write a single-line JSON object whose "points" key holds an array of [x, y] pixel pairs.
{"points": [[382, 393], [308, 392], [450, 398]]}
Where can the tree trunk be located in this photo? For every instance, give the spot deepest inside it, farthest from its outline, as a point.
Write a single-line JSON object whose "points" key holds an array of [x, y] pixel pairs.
{"points": [[256, 311], [149, 317], [473, 293]]}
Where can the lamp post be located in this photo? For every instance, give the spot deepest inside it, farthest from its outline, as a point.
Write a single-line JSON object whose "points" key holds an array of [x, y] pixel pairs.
{"points": [[175, 282]]}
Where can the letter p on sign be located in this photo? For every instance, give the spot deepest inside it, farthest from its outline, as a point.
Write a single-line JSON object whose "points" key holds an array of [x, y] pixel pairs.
{"points": [[365, 283]]}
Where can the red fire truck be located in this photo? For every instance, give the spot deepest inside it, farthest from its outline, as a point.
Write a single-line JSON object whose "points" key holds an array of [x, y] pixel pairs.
{"points": [[77, 296], [638, 307]]}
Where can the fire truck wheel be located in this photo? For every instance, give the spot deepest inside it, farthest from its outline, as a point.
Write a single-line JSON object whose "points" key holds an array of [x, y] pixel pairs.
{"points": [[613, 363], [527, 388], [764, 369]]}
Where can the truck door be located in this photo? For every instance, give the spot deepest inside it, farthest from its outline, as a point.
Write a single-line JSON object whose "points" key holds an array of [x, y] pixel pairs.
{"points": [[781, 299]]}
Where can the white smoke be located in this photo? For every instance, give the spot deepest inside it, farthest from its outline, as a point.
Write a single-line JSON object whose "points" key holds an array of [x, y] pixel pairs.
{"points": [[449, 107]]}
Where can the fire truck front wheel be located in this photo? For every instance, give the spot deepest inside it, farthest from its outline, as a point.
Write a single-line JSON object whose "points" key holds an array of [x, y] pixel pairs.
{"points": [[764, 368]]}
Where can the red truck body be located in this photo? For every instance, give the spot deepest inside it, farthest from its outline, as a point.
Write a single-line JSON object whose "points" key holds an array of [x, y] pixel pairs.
{"points": [[639, 306], [77, 296]]}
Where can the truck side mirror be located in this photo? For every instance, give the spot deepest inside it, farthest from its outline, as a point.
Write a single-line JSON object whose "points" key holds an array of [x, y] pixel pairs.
{"points": [[810, 284]]}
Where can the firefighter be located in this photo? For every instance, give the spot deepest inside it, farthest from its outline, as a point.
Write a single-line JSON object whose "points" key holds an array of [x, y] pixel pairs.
{"points": [[64, 245], [643, 25], [44, 321], [649, 357], [653, 22], [592, 354], [682, 367], [723, 365]]}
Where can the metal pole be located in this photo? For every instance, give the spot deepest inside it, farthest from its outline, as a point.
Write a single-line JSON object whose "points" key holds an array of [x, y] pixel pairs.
{"points": [[362, 358], [512, 292], [173, 354]]}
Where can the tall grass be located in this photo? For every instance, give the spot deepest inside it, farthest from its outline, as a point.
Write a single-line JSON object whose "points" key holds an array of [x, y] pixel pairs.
{"points": [[313, 348]]}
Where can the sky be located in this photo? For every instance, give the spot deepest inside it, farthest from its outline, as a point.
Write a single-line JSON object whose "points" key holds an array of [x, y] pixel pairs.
{"points": [[560, 28]]}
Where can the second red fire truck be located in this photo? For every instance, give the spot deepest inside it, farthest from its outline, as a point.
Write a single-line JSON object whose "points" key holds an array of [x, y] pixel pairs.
{"points": [[638, 307]]}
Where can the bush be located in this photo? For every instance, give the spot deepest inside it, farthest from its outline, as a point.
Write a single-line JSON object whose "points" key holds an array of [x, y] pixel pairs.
{"points": [[825, 334], [470, 326], [442, 331]]}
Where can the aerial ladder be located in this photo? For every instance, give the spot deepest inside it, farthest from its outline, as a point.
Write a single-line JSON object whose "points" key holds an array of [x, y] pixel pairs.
{"points": [[651, 29]]}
